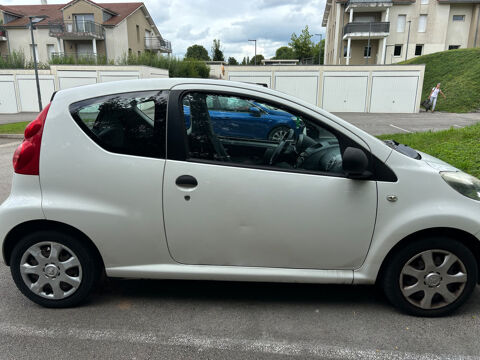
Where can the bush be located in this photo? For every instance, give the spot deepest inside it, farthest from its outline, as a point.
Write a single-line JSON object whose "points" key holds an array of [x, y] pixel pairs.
{"points": [[69, 59], [16, 60], [189, 68]]}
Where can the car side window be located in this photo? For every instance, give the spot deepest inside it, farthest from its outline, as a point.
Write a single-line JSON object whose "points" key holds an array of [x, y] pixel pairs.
{"points": [[130, 123], [255, 133]]}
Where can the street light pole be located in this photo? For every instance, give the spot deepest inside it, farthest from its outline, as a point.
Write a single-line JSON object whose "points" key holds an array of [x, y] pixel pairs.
{"points": [[319, 48], [33, 20], [408, 39], [369, 51], [255, 41]]}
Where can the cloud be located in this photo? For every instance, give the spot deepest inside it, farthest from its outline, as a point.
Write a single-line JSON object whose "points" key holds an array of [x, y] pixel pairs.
{"points": [[234, 22]]}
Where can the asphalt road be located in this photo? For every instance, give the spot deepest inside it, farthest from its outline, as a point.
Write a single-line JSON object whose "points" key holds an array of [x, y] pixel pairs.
{"points": [[378, 124], [140, 319]]}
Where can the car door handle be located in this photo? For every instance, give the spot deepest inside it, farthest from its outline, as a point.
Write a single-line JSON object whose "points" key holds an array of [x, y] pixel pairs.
{"points": [[186, 182]]}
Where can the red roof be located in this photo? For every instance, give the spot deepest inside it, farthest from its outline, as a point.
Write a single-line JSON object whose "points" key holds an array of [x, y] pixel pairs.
{"points": [[54, 12]]}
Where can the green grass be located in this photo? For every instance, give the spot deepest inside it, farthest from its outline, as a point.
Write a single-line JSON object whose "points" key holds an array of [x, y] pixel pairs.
{"points": [[458, 147], [459, 73], [15, 128]]}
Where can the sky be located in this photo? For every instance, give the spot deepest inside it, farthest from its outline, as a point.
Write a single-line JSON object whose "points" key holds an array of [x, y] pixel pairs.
{"points": [[234, 22]]}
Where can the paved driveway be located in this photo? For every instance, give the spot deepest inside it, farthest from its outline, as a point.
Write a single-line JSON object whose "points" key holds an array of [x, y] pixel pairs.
{"points": [[140, 319], [378, 124]]}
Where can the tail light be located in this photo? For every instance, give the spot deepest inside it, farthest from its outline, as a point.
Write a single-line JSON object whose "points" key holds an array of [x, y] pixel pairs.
{"points": [[26, 159]]}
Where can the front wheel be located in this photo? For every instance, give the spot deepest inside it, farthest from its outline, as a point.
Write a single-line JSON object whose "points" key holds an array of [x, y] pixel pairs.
{"points": [[53, 269], [431, 277], [279, 133]]}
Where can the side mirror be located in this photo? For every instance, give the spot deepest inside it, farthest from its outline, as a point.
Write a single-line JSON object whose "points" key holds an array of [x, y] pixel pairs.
{"points": [[355, 163], [254, 111]]}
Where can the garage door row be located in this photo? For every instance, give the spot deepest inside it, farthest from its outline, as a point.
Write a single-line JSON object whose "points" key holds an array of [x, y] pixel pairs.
{"points": [[18, 90], [346, 91]]}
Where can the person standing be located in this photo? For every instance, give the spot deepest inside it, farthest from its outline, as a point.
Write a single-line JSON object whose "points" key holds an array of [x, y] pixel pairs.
{"points": [[434, 95]]}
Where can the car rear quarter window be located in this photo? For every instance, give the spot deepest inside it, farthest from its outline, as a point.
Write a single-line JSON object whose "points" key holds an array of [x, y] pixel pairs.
{"points": [[129, 123]]}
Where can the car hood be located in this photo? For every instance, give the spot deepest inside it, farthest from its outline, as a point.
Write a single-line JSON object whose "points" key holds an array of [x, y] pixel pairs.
{"points": [[436, 163]]}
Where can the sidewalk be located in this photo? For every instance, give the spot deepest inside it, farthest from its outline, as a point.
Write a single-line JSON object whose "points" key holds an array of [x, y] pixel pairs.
{"points": [[13, 118], [378, 124]]}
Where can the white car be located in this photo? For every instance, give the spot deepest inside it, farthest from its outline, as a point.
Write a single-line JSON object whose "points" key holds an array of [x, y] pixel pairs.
{"points": [[109, 180]]}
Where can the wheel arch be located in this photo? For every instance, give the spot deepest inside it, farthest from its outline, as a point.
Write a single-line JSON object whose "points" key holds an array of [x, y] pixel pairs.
{"points": [[467, 239], [37, 225]]}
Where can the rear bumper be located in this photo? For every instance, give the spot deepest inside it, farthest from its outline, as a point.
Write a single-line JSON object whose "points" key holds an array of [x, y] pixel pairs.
{"points": [[24, 204]]}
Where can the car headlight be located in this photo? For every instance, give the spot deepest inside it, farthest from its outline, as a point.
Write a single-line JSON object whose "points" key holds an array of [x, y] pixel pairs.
{"points": [[465, 184]]}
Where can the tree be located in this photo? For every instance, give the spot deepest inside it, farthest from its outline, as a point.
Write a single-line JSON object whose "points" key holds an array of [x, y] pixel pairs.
{"points": [[318, 51], [259, 58], [245, 61], [197, 52], [217, 53], [285, 53], [303, 44], [232, 61]]}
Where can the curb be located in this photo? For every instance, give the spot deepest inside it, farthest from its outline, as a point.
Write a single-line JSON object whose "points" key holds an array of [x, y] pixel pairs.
{"points": [[11, 136]]}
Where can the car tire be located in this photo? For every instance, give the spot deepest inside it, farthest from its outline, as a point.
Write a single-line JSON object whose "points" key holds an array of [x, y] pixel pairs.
{"points": [[54, 269], [278, 133], [430, 277]]}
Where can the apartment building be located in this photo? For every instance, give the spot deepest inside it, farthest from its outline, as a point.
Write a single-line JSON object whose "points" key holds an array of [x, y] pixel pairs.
{"points": [[362, 32], [80, 28]]}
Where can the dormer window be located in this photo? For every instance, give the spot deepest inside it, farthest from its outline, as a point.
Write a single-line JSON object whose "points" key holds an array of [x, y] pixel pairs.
{"points": [[84, 22]]}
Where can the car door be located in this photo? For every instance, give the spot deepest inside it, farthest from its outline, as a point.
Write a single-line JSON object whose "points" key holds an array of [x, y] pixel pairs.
{"points": [[238, 209]]}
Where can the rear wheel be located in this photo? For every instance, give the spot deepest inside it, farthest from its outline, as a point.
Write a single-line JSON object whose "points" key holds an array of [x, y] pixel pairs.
{"points": [[53, 269], [431, 277]]}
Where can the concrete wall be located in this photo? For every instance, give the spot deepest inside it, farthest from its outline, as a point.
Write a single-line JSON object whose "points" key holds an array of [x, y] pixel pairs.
{"points": [[116, 40], [342, 88], [18, 90], [137, 18], [20, 41]]}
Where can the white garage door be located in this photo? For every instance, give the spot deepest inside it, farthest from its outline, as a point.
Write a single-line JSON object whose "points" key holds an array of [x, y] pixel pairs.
{"points": [[27, 88], [303, 86], [254, 78], [69, 79], [393, 94], [345, 93], [8, 99]]}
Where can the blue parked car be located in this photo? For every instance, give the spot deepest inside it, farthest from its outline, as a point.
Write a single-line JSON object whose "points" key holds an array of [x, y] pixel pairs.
{"points": [[238, 118]]}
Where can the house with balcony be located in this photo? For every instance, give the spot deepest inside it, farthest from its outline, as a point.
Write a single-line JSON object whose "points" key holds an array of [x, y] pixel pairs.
{"points": [[81, 28], [362, 32]]}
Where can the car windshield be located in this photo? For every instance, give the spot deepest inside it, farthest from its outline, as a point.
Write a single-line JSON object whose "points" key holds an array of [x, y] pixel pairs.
{"points": [[403, 149]]}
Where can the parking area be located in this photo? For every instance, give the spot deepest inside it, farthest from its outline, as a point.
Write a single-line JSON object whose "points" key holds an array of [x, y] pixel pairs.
{"points": [[378, 124], [186, 319]]}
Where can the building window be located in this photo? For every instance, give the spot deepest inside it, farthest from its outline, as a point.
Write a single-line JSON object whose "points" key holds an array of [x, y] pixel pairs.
{"points": [[138, 33], [397, 51], [345, 48], [367, 51], [422, 23], [401, 21], [458, 17], [418, 50], [453, 47], [50, 50], [424, 2]]}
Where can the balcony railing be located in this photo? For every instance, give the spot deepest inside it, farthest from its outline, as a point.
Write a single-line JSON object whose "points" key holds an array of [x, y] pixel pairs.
{"points": [[77, 30], [157, 43], [74, 58], [366, 27]]}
